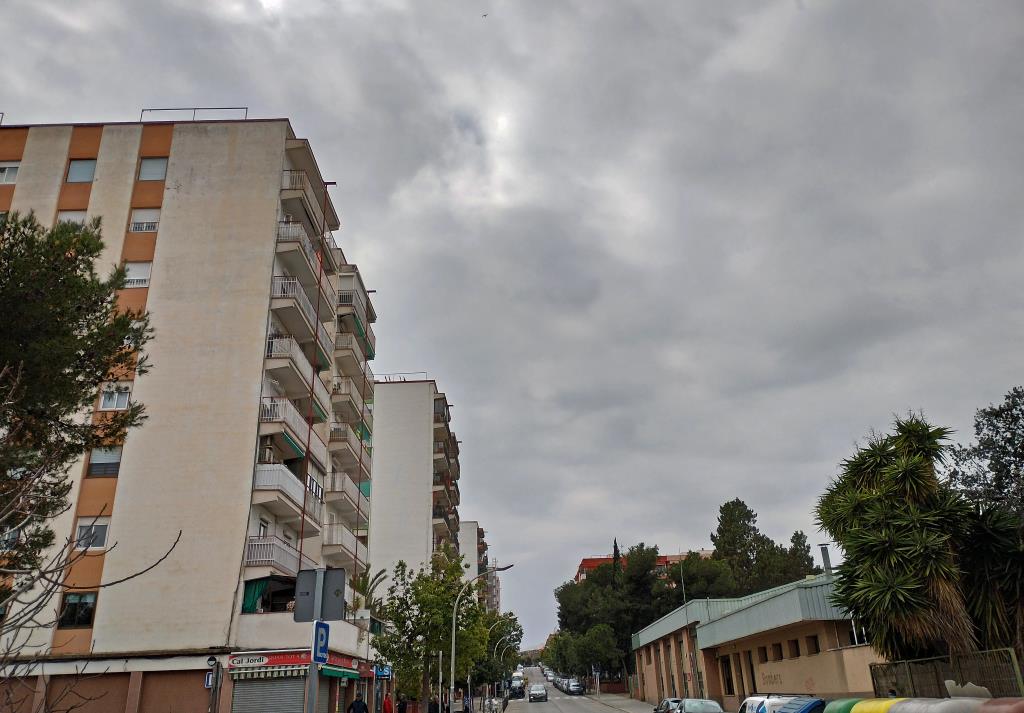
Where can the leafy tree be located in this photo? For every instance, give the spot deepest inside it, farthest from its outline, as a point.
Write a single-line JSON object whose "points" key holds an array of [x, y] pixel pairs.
{"points": [[417, 613], [925, 573], [62, 337], [736, 539], [503, 642], [598, 648], [990, 471]]}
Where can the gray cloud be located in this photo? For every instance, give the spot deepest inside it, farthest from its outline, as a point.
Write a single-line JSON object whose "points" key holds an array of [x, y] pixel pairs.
{"points": [[658, 254]]}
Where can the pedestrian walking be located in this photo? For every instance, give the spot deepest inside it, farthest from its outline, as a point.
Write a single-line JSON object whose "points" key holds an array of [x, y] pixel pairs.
{"points": [[432, 707], [403, 704], [388, 706], [358, 705]]}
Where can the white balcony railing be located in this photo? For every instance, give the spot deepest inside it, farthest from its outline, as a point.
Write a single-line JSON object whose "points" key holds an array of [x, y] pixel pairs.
{"points": [[289, 287], [288, 348], [136, 282], [342, 483], [144, 226], [344, 433], [274, 476], [269, 551], [339, 535], [345, 386], [298, 181], [281, 410], [296, 233]]}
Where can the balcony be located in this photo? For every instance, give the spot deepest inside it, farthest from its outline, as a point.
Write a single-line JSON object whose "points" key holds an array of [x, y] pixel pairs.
{"points": [[280, 419], [292, 306], [352, 314], [291, 369], [341, 493], [441, 461], [446, 488], [348, 402], [348, 448], [443, 520], [280, 491], [341, 547], [275, 553], [299, 200], [297, 253], [277, 630]]}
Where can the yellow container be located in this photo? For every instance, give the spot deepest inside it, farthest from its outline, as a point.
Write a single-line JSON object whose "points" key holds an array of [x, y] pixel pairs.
{"points": [[875, 705]]}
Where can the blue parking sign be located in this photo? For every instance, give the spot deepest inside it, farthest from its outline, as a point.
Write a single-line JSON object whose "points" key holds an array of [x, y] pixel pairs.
{"points": [[321, 637]]}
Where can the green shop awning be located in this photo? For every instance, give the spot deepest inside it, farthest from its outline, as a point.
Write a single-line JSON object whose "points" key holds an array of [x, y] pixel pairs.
{"points": [[338, 672]]}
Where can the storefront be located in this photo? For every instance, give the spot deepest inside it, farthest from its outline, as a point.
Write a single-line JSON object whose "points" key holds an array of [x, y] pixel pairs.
{"points": [[275, 681]]}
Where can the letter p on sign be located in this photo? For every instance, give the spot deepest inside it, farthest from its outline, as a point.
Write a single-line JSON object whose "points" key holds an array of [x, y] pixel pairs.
{"points": [[321, 637]]}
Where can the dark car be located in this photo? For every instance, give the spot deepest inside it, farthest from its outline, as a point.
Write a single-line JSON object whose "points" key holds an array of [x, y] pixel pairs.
{"points": [[538, 693]]}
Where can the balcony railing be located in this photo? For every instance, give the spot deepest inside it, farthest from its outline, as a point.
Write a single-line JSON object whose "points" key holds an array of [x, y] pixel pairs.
{"points": [[288, 348], [298, 181], [289, 287], [280, 410], [274, 476], [339, 535], [270, 551], [342, 483], [345, 386], [342, 432], [296, 233], [441, 513], [136, 282], [144, 226]]}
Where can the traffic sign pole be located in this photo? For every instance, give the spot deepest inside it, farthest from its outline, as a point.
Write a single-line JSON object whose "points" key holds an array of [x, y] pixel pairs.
{"points": [[313, 682]]}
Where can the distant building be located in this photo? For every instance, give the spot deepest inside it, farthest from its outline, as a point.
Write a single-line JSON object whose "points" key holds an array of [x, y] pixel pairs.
{"points": [[589, 564], [789, 639]]}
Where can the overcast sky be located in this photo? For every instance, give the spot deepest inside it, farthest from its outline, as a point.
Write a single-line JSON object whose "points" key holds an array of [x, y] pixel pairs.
{"points": [[658, 254]]}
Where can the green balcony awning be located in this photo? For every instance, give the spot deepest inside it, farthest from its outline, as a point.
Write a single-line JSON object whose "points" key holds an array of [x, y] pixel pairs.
{"points": [[299, 450]]}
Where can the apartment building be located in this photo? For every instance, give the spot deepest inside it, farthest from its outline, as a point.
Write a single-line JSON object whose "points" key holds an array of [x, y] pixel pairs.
{"points": [[258, 443], [414, 511], [474, 548]]}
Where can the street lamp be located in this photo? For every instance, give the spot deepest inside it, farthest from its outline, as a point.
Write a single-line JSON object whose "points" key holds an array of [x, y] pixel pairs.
{"points": [[455, 611]]}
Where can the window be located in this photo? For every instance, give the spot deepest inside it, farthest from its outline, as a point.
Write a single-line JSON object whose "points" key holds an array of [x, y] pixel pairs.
{"points": [[105, 462], [794, 648], [9, 539], [92, 532], [762, 654], [264, 528], [81, 170], [152, 169], [137, 274], [115, 397], [71, 216], [812, 644], [77, 610], [776, 652], [144, 220], [8, 171], [726, 665]]}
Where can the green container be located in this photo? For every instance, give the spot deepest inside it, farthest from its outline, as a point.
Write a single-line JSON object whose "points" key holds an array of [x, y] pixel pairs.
{"points": [[842, 705]]}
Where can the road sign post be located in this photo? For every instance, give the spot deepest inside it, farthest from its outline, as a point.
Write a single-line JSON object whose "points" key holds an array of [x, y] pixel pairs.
{"points": [[313, 682]]}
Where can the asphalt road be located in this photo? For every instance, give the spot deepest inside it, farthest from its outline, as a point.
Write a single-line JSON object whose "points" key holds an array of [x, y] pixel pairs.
{"points": [[558, 702]]}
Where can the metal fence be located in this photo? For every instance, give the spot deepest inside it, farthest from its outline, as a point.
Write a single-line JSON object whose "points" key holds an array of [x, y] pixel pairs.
{"points": [[997, 670]]}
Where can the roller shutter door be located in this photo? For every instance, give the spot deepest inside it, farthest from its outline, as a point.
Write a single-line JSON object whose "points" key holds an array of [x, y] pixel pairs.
{"points": [[274, 695]]}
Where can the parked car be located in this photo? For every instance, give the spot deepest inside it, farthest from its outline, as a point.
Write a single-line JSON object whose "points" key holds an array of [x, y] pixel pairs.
{"points": [[538, 693], [773, 703], [575, 688], [667, 705], [698, 705], [803, 704]]}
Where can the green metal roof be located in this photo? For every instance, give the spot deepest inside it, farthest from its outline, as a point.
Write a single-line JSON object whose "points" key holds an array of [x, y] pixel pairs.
{"points": [[721, 620]]}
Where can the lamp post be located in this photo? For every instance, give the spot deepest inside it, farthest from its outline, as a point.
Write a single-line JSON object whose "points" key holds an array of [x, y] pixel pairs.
{"points": [[455, 612]]}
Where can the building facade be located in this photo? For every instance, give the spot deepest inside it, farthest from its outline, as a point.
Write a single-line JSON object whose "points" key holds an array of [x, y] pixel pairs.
{"points": [[474, 548], [789, 639], [416, 475], [589, 564], [257, 448]]}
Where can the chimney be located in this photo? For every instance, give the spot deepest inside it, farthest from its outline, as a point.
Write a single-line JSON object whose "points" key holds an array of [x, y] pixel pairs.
{"points": [[825, 561]]}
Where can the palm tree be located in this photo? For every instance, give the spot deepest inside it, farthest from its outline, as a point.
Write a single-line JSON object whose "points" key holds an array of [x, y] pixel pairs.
{"points": [[365, 586], [900, 529]]}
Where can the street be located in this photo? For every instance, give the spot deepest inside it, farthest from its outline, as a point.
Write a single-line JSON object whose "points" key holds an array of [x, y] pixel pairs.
{"points": [[559, 702]]}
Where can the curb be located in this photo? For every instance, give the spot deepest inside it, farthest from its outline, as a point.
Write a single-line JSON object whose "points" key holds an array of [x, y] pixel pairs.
{"points": [[608, 705]]}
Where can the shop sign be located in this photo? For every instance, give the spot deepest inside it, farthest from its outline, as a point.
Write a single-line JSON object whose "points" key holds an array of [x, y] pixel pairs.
{"points": [[382, 672], [286, 658]]}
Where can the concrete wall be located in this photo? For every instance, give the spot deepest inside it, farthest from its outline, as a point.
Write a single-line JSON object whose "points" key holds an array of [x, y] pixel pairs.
{"points": [[467, 545], [41, 173], [402, 502], [190, 467]]}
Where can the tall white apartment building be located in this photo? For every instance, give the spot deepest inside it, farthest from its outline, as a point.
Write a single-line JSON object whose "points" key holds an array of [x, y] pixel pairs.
{"points": [[414, 509], [257, 446]]}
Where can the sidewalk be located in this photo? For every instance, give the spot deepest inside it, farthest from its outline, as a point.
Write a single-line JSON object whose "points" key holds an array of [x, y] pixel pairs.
{"points": [[622, 702]]}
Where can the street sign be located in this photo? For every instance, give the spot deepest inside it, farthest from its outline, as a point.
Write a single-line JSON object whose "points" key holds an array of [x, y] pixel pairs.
{"points": [[209, 680], [382, 671], [332, 597], [321, 635]]}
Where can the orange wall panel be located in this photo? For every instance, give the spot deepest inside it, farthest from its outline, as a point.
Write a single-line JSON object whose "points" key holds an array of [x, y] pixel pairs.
{"points": [[74, 196], [72, 641], [96, 497], [156, 140], [12, 144], [85, 141], [91, 693], [86, 571], [148, 194], [6, 194], [133, 300], [185, 688], [139, 247]]}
